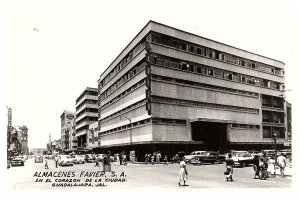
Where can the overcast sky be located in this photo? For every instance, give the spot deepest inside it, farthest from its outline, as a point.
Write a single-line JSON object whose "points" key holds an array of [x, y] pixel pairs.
{"points": [[46, 70]]}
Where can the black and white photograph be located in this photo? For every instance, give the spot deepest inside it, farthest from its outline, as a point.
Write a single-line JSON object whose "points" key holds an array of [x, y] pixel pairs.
{"points": [[149, 99]]}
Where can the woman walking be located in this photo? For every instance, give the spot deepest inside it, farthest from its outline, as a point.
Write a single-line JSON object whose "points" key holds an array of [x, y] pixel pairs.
{"points": [[183, 174], [229, 168]]}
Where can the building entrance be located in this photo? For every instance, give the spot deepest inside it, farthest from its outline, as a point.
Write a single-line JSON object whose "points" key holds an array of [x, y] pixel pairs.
{"points": [[212, 134]]}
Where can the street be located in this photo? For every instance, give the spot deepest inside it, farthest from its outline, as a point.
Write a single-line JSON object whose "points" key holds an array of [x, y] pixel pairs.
{"points": [[33, 175]]}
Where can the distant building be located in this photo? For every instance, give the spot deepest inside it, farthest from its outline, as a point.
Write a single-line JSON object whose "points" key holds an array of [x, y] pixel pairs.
{"points": [[86, 114], [68, 137], [37, 151], [171, 90], [56, 146], [23, 138], [289, 123]]}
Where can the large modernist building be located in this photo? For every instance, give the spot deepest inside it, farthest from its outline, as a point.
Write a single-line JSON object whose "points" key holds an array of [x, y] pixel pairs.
{"points": [[171, 90], [86, 114]]}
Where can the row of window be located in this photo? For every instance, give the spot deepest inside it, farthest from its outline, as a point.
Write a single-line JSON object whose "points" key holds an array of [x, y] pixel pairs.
{"points": [[168, 121], [85, 127], [268, 132], [159, 121], [128, 126], [87, 119], [212, 53], [129, 90], [121, 81], [159, 99], [122, 63], [86, 92], [206, 86], [272, 117], [244, 126], [124, 110], [272, 101], [212, 71], [93, 110], [86, 101]]}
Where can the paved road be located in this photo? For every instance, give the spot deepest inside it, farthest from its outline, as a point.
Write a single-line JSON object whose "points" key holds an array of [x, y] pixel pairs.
{"points": [[139, 176]]}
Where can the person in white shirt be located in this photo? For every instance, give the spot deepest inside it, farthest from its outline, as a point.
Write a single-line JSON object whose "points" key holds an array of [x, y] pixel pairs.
{"points": [[281, 161]]}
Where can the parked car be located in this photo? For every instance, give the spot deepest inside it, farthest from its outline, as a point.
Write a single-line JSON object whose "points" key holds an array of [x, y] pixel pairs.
{"points": [[17, 161], [255, 152], [286, 152], [64, 160], [188, 158], [90, 158], [78, 159], [208, 157], [220, 158], [38, 159], [242, 159], [269, 152]]}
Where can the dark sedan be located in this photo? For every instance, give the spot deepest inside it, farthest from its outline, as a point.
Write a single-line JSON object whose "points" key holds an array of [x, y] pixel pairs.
{"points": [[17, 161]]}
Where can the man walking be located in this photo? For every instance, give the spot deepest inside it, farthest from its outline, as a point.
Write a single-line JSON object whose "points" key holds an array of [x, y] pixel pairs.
{"points": [[56, 161]]}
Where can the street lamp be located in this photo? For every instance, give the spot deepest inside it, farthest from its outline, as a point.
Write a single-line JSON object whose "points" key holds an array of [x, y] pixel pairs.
{"points": [[274, 138]]}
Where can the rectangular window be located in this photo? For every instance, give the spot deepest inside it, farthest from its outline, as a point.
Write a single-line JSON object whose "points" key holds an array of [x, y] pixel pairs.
{"points": [[183, 47], [199, 51], [199, 71]]}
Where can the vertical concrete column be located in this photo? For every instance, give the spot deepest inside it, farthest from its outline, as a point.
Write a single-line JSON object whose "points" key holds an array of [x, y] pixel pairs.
{"points": [[188, 132]]}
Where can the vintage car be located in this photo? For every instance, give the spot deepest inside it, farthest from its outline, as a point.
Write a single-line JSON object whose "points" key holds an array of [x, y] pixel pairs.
{"points": [[78, 159], [17, 161], [65, 160], [286, 152], [242, 159], [208, 157], [39, 159], [90, 158], [188, 158], [269, 152]]}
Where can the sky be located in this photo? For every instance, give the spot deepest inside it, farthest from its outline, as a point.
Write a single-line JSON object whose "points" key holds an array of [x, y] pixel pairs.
{"points": [[44, 71]]}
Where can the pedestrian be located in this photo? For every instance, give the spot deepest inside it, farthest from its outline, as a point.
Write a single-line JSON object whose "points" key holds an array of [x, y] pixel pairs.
{"points": [[176, 158], [149, 157], [271, 166], [183, 174], [108, 157], [281, 161], [46, 163], [121, 155], [146, 159], [56, 161], [166, 160], [256, 166], [265, 159], [152, 159], [97, 164], [115, 160], [155, 157], [229, 168]]}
